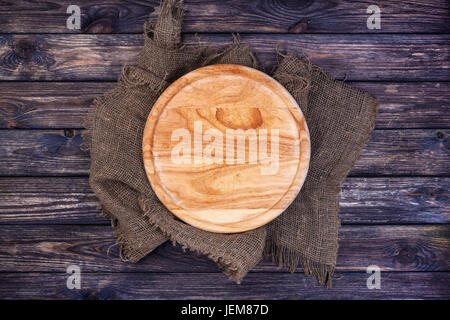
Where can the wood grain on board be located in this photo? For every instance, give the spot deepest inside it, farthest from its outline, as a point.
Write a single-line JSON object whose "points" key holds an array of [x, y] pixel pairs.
{"points": [[419, 152], [395, 285], [354, 57], [38, 105], [226, 148], [51, 248], [64, 200], [261, 16]]}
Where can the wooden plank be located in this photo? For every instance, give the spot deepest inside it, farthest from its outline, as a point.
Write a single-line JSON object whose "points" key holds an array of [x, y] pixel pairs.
{"points": [[51, 248], [230, 16], [394, 285], [101, 57], [29, 152], [389, 152], [395, 200], [65, 104], [410, 105], [48, 201], [363, 201], [45, 105]]}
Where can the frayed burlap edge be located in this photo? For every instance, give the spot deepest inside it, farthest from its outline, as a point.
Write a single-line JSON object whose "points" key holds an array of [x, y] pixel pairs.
{"points": [[227, 266], [291, 259]]}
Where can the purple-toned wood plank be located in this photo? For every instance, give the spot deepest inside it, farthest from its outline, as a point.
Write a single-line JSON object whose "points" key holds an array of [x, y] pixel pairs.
{"points": [[51, 248], [65, 104], [389, 152], [398, 57], [363, 201], [122, 16], [394, 285]]}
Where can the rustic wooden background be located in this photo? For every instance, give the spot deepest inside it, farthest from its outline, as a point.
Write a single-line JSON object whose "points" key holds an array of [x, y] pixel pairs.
{"points": [[395, 204]]}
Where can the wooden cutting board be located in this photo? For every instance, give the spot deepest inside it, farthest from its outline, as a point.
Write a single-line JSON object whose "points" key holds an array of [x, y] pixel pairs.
{"points": [[226, 148]]}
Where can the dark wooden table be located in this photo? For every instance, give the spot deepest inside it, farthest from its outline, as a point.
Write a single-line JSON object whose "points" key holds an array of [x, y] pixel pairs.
{"points": [[395, 206]]}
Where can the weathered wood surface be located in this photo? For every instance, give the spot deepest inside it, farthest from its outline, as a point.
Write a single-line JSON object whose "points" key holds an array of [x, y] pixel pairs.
{"points": [[364, 201], [399, 222], [125, 16], [409, 152], [101, 57], [395, 285], [65, 104], [51, 248]]}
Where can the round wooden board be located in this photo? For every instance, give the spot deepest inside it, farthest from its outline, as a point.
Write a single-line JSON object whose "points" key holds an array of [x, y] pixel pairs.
{"points": [[226, 148]]}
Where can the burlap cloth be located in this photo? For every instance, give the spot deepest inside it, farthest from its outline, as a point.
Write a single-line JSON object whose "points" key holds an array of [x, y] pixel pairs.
{"points": [[340, 120]]}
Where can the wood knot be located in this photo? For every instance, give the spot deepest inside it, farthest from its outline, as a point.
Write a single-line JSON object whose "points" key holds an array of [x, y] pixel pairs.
{"points": [[299, 27], [440, 135], [103, 25], [246, 118], [406, 255], [109, 18], [24, 49], [68, 133], [443, 138]]}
